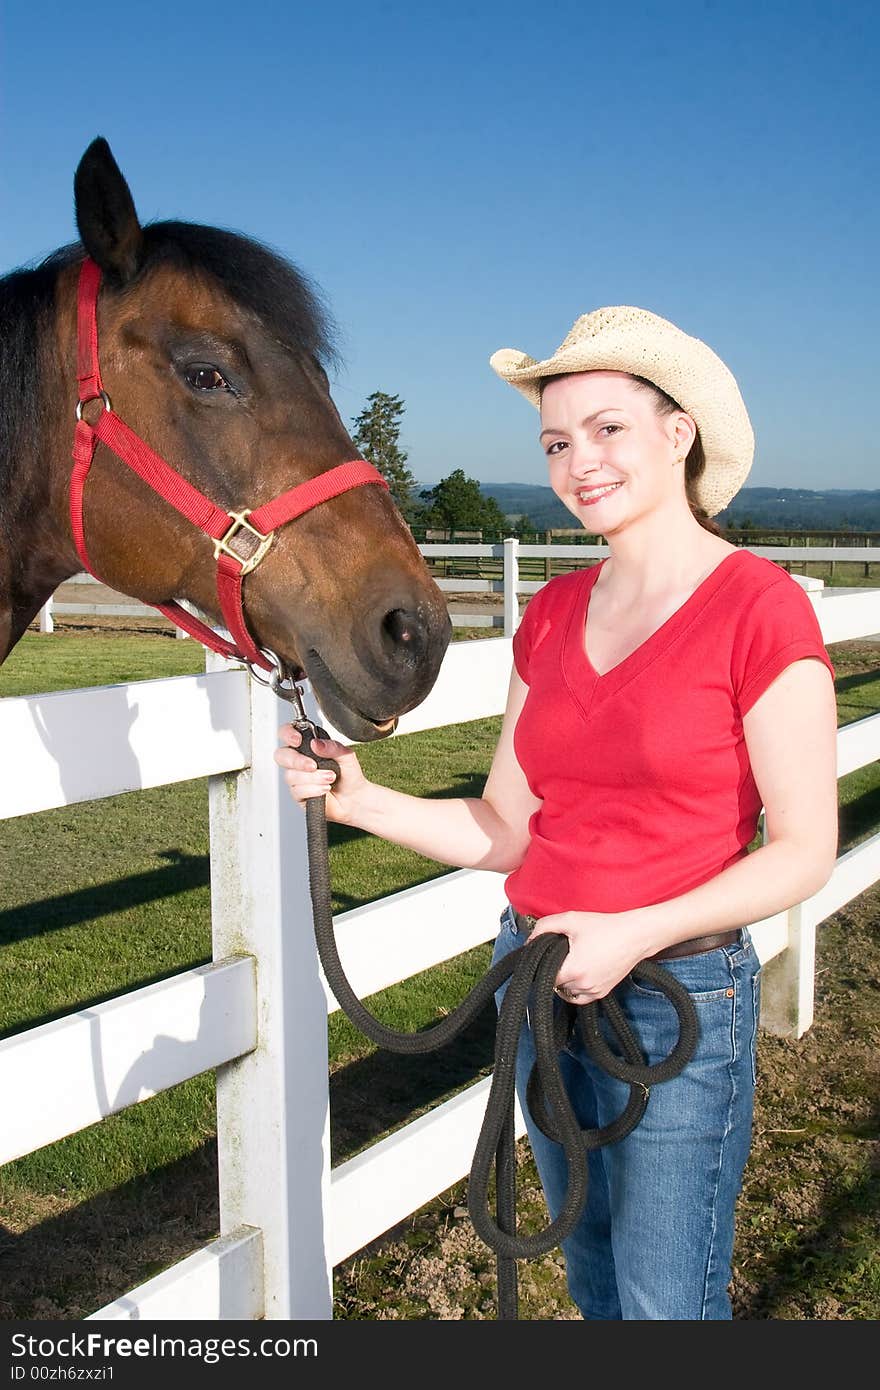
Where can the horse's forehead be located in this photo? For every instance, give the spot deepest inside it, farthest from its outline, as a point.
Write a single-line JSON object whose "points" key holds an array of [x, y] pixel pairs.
{"points": [[189, 300]]}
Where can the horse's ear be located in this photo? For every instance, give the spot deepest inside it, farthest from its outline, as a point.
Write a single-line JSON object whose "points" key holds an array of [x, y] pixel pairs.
{"points": [[105, 213]]}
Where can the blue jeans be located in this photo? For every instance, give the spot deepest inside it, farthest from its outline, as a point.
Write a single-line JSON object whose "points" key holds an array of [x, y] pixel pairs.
{"points": [[655, 1240]]}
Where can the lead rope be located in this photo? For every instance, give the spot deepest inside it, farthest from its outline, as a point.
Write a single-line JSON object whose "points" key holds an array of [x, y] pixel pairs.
{"points": [[532, 971]]}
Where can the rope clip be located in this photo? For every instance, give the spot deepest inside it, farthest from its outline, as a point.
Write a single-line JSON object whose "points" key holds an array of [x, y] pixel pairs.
{"points": [[290, 692]]}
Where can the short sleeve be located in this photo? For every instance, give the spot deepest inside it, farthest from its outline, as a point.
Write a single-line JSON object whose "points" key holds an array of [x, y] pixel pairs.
{"points": [[524, 637], [778, 628], [546, 611]]}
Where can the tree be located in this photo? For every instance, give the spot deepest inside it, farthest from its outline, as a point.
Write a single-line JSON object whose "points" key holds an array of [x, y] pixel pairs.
{"points": [[523, 526], [376, 432], [457, 504]]}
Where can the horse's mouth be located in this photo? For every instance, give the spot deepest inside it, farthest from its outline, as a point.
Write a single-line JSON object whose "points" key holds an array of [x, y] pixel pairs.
{"points": [[386, 726], [330, 691]]}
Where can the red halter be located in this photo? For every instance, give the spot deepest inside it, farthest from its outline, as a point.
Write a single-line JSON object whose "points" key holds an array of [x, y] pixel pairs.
{"points": [[241, 539]]}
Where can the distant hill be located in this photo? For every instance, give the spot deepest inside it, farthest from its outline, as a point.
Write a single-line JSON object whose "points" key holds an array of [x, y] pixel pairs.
{"points": [[799, 509], [791, 509]]}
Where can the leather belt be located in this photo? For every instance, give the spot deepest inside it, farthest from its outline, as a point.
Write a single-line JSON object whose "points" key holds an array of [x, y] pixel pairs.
{"points": [[525, 922]]}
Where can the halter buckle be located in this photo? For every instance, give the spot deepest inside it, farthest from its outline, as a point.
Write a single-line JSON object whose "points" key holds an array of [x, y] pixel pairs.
{"points": [[254, 542]]}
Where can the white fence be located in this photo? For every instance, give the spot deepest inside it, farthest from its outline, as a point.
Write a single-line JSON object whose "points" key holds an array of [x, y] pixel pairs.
{"points": [[258, 1012], [510, 584]]}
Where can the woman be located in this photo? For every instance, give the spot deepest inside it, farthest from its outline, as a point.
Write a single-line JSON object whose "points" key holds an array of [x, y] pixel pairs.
{"points": [[658, 700]]}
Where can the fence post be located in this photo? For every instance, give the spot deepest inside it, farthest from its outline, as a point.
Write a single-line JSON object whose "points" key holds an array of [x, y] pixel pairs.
{"points": [[511, 585], [47, 622], [788, 980], [273, 1104]]}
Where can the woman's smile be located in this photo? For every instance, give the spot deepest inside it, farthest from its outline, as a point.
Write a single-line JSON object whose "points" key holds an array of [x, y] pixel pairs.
{"points": [[586, 496]]}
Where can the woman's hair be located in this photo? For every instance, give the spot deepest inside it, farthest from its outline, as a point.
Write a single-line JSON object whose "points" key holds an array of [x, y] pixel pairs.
{"points": [[695, 462]]}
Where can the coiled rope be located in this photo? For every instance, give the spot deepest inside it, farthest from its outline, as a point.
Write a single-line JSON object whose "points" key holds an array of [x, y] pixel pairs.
{"points": [[531, 971]]}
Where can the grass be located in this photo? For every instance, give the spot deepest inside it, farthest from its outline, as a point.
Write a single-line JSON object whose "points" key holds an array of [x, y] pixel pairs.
{"points": [[116, 894], [102, 897], [97, 899], [71, 659]]}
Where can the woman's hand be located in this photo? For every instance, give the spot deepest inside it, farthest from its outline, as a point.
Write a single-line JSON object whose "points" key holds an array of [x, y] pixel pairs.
{"points": [[306, 779], [602, 950]]}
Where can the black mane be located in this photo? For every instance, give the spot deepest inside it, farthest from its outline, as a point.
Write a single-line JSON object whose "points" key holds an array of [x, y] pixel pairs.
{"points": [[26, 299], [253, 275]]}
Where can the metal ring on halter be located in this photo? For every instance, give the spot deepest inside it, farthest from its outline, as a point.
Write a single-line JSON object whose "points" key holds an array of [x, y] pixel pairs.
{"points": [[278, 672], [275, 681], [99, 395]]}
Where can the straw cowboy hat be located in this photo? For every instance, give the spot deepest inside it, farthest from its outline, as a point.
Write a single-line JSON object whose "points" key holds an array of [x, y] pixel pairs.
{"points": [[625, 339]]}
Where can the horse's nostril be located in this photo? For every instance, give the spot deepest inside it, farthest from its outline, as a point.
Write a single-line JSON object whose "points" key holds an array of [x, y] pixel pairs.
{"points": [[405, 631]]}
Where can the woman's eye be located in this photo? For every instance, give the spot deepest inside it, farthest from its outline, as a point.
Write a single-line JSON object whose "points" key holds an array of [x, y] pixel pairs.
{"points": [[555, 447], [613, 428], [206, 379]]}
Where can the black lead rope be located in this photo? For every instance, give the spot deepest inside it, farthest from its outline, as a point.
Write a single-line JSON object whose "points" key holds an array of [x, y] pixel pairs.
{"points": [[531, 971]]}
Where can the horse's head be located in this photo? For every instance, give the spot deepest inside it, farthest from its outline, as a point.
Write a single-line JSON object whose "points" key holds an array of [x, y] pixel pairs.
{"points": [[213, 349]]}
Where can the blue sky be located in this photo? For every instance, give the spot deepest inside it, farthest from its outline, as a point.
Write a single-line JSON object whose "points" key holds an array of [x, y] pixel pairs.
{"points": [[462, 177]]}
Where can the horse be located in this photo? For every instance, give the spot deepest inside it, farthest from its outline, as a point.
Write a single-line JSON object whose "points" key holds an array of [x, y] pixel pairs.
{"points": [[198, 357]]}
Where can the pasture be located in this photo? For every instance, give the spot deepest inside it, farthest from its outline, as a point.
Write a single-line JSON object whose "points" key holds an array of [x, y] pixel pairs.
{"points": [[100, 897]]}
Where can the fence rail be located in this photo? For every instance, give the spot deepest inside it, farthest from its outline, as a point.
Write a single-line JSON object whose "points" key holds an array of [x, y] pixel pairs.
{"points": [[508, 562], [258, 1013]]}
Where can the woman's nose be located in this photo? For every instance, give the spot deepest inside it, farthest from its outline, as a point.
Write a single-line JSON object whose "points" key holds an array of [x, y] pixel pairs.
{"points": [[583, 461]]}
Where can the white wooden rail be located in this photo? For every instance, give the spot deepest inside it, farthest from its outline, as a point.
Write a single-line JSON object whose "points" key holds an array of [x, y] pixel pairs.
{"points": [[258, 1013], [510, 552]]}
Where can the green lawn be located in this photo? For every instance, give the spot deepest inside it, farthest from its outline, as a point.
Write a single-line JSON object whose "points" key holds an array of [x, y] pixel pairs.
{"points": [[109, 895]]}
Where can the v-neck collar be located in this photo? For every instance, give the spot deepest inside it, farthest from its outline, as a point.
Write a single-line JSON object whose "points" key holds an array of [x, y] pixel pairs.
{"points": [[581, 677]]}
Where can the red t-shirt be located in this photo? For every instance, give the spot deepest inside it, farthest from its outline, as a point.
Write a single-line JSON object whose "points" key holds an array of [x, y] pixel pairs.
{"points": [[643, 773]]}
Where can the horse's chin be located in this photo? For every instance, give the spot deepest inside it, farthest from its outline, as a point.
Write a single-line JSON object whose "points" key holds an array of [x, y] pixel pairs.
{"points": [[351, 722], [336, 705], [339, 707]]}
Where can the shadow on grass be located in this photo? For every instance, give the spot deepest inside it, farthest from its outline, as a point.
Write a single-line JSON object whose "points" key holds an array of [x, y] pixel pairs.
{"points": [[842, 684], [470, 786], [182, 873], [71, 1264], [822, 1259], [383, 1091], [340, 835], [858, 818]]}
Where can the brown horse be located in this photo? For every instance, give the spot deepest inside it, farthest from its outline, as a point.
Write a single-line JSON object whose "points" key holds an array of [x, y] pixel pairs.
{"points": [[212, 352]]}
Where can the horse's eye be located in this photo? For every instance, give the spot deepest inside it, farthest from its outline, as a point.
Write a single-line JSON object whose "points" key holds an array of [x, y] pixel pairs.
{"points": [[203, 378]]}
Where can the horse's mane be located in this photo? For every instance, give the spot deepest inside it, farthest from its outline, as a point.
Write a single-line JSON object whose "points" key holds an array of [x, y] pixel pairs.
{"points": [[25, 306], [251, 273]]}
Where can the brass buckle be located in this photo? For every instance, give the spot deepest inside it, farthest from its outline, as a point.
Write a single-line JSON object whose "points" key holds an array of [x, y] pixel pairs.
{"points": [[244, 532]]}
